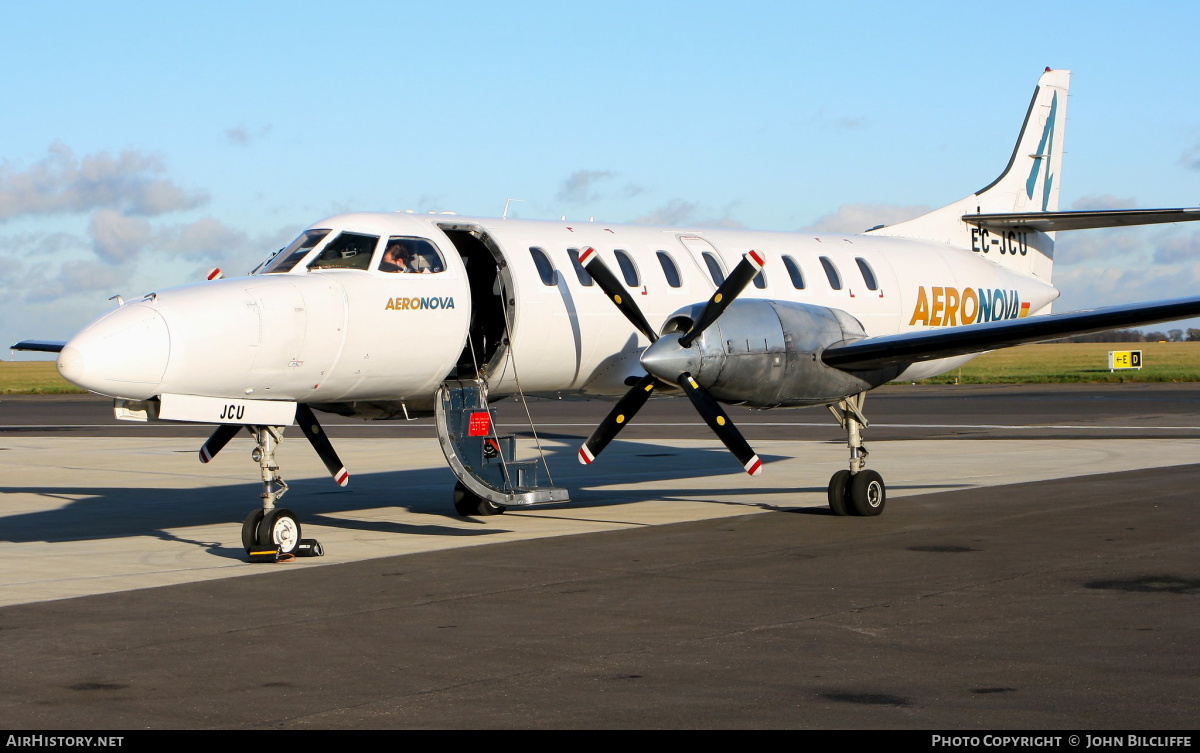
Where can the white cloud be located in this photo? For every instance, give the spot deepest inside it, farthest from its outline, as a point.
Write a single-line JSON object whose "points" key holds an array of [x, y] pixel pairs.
{"points": [[116, 237], [63, 183], [1097, 202], [689, 213], [855, 218], [580, 186], [240, 135], [1191, 158]]}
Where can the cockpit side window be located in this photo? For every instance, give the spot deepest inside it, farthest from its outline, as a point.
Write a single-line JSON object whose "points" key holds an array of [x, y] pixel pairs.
{"points": [[404, 254], [286, 258], [347, 251]]}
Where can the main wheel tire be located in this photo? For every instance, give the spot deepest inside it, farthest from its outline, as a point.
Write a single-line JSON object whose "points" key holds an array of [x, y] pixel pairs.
{"points": [[868, 494], [838, 493], [470, 505], [250, 529], [280, 528]]}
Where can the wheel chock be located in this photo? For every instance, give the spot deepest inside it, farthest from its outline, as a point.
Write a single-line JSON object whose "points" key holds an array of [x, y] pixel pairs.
{"points": [[263, 554]]}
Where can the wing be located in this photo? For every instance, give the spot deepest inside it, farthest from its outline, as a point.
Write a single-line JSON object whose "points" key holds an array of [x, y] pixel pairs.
{"points": [[1050, 221], [41, 346], [929, 345]]}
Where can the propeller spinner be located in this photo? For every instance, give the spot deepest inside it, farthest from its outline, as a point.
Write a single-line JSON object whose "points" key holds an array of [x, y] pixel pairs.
{"points": [[670, 360]]}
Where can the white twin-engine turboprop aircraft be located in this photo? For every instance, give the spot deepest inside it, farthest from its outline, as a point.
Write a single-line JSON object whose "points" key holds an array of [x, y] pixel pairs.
{"points": [[385, 316]]}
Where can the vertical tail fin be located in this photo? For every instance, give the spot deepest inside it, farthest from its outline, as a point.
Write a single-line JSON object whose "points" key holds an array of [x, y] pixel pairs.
{"points": [[1030, 183]]}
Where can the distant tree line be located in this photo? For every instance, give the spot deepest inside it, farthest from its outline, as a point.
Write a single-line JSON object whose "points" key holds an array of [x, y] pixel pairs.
{"points": [[1136, 336]]}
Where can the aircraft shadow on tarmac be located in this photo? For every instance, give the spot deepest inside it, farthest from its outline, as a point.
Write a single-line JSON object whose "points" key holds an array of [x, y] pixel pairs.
{"points": [[115, 512]]}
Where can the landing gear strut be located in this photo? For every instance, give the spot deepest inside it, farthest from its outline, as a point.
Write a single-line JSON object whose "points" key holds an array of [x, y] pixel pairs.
{"points": [[856, 491], [272, 527]]}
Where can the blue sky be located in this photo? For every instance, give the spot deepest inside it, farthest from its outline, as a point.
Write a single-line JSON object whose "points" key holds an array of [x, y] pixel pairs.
{"points": [[143, 143]]}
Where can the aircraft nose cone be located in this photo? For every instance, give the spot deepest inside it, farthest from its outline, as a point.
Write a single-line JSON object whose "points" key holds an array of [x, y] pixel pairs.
{"points": [[666, 359], [122, 355]]}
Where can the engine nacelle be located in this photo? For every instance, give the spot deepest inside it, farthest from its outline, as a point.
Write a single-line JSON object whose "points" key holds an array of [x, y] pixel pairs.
{"points": [[767, 354]]}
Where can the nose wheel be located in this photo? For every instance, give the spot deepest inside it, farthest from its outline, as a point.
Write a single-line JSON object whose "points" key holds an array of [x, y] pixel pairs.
{"points": [[857, 491]]}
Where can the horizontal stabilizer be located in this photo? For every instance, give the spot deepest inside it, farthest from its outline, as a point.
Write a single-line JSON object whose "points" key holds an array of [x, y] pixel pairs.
{"points": [[913, 347], [1082, 220], [41, 346]]}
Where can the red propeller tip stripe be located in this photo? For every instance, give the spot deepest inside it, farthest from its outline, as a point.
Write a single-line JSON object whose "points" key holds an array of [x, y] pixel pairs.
{"points": [[342, 477], [756, 258], [204, 456], [585, 455], [754, 467], [586, 256]]}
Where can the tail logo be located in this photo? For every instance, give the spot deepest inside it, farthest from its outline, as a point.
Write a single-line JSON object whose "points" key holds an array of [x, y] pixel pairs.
{"points": [[1045, 147]]}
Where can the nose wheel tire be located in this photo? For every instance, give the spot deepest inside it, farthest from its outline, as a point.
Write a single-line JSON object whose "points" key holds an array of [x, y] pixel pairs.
{"points": [[867, 493], [470, 505], [280, 528], [838, 493], [250, 529]]}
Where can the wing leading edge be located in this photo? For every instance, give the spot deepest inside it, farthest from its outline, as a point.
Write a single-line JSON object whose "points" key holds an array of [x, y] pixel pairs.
{"points": [[913, 347]]}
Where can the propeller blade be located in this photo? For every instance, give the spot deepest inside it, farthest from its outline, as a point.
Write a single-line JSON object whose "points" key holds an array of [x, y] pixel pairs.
{"points": [[710, 411], [750, 265], [625, 409], [616, 292], [320, 442], [217, 441]]}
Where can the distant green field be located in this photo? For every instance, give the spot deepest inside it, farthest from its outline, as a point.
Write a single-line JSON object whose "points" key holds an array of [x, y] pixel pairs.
{"points": [[1078, 362], [1050, 362], [33, 378]]}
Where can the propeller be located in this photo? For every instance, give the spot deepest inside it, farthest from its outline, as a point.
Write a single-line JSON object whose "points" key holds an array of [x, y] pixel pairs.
{"points": [[217, 441], [308, 424], [670, 360], [320, 442]]}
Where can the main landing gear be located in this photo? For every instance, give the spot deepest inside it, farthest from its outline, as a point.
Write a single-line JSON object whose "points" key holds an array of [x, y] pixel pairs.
{"points": [[856, 491]]}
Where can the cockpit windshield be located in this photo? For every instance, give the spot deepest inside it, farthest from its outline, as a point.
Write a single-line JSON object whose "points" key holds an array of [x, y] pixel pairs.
{"points": [[286, 258], [347, 251]]}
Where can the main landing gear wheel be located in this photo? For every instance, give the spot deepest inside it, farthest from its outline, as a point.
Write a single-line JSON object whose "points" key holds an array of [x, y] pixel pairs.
{"points": [[280, 528], [866, 494], [838, 486], [250, 529], [469, 504]]}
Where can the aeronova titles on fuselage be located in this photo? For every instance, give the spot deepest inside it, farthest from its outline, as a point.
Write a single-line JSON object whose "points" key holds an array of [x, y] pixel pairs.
{"points": [[413, 304], [950, 307]]}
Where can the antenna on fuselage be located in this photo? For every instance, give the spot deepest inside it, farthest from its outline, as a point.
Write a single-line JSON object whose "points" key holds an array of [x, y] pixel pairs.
{"points": [[504, 215]]}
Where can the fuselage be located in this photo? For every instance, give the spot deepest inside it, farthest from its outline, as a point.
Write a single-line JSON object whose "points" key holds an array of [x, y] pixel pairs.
{"points": [[328, 321]]}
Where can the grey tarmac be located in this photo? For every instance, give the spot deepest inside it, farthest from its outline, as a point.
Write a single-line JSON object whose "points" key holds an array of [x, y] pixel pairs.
{"points": [[1032, 578]]}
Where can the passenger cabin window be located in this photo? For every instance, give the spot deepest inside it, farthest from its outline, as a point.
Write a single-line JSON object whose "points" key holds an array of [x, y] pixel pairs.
{"points": [[867, 273], [714, 267], [835, 280], [404, 254], [291, 256], [585, 279], [670, 271], [628, 269], [794, 272], [347, 251], [544, 267]]}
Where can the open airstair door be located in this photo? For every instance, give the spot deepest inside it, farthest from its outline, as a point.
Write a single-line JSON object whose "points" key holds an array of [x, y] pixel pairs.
{"points": [[487, 338]]}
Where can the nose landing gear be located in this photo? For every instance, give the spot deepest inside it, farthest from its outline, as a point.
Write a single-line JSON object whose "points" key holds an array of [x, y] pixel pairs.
{"points": [[856, 491], [271, 532]]}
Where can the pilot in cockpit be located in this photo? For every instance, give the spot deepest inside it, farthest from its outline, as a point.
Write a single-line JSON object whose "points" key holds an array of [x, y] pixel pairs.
{"points": [[399, 258], [395, 258]]}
